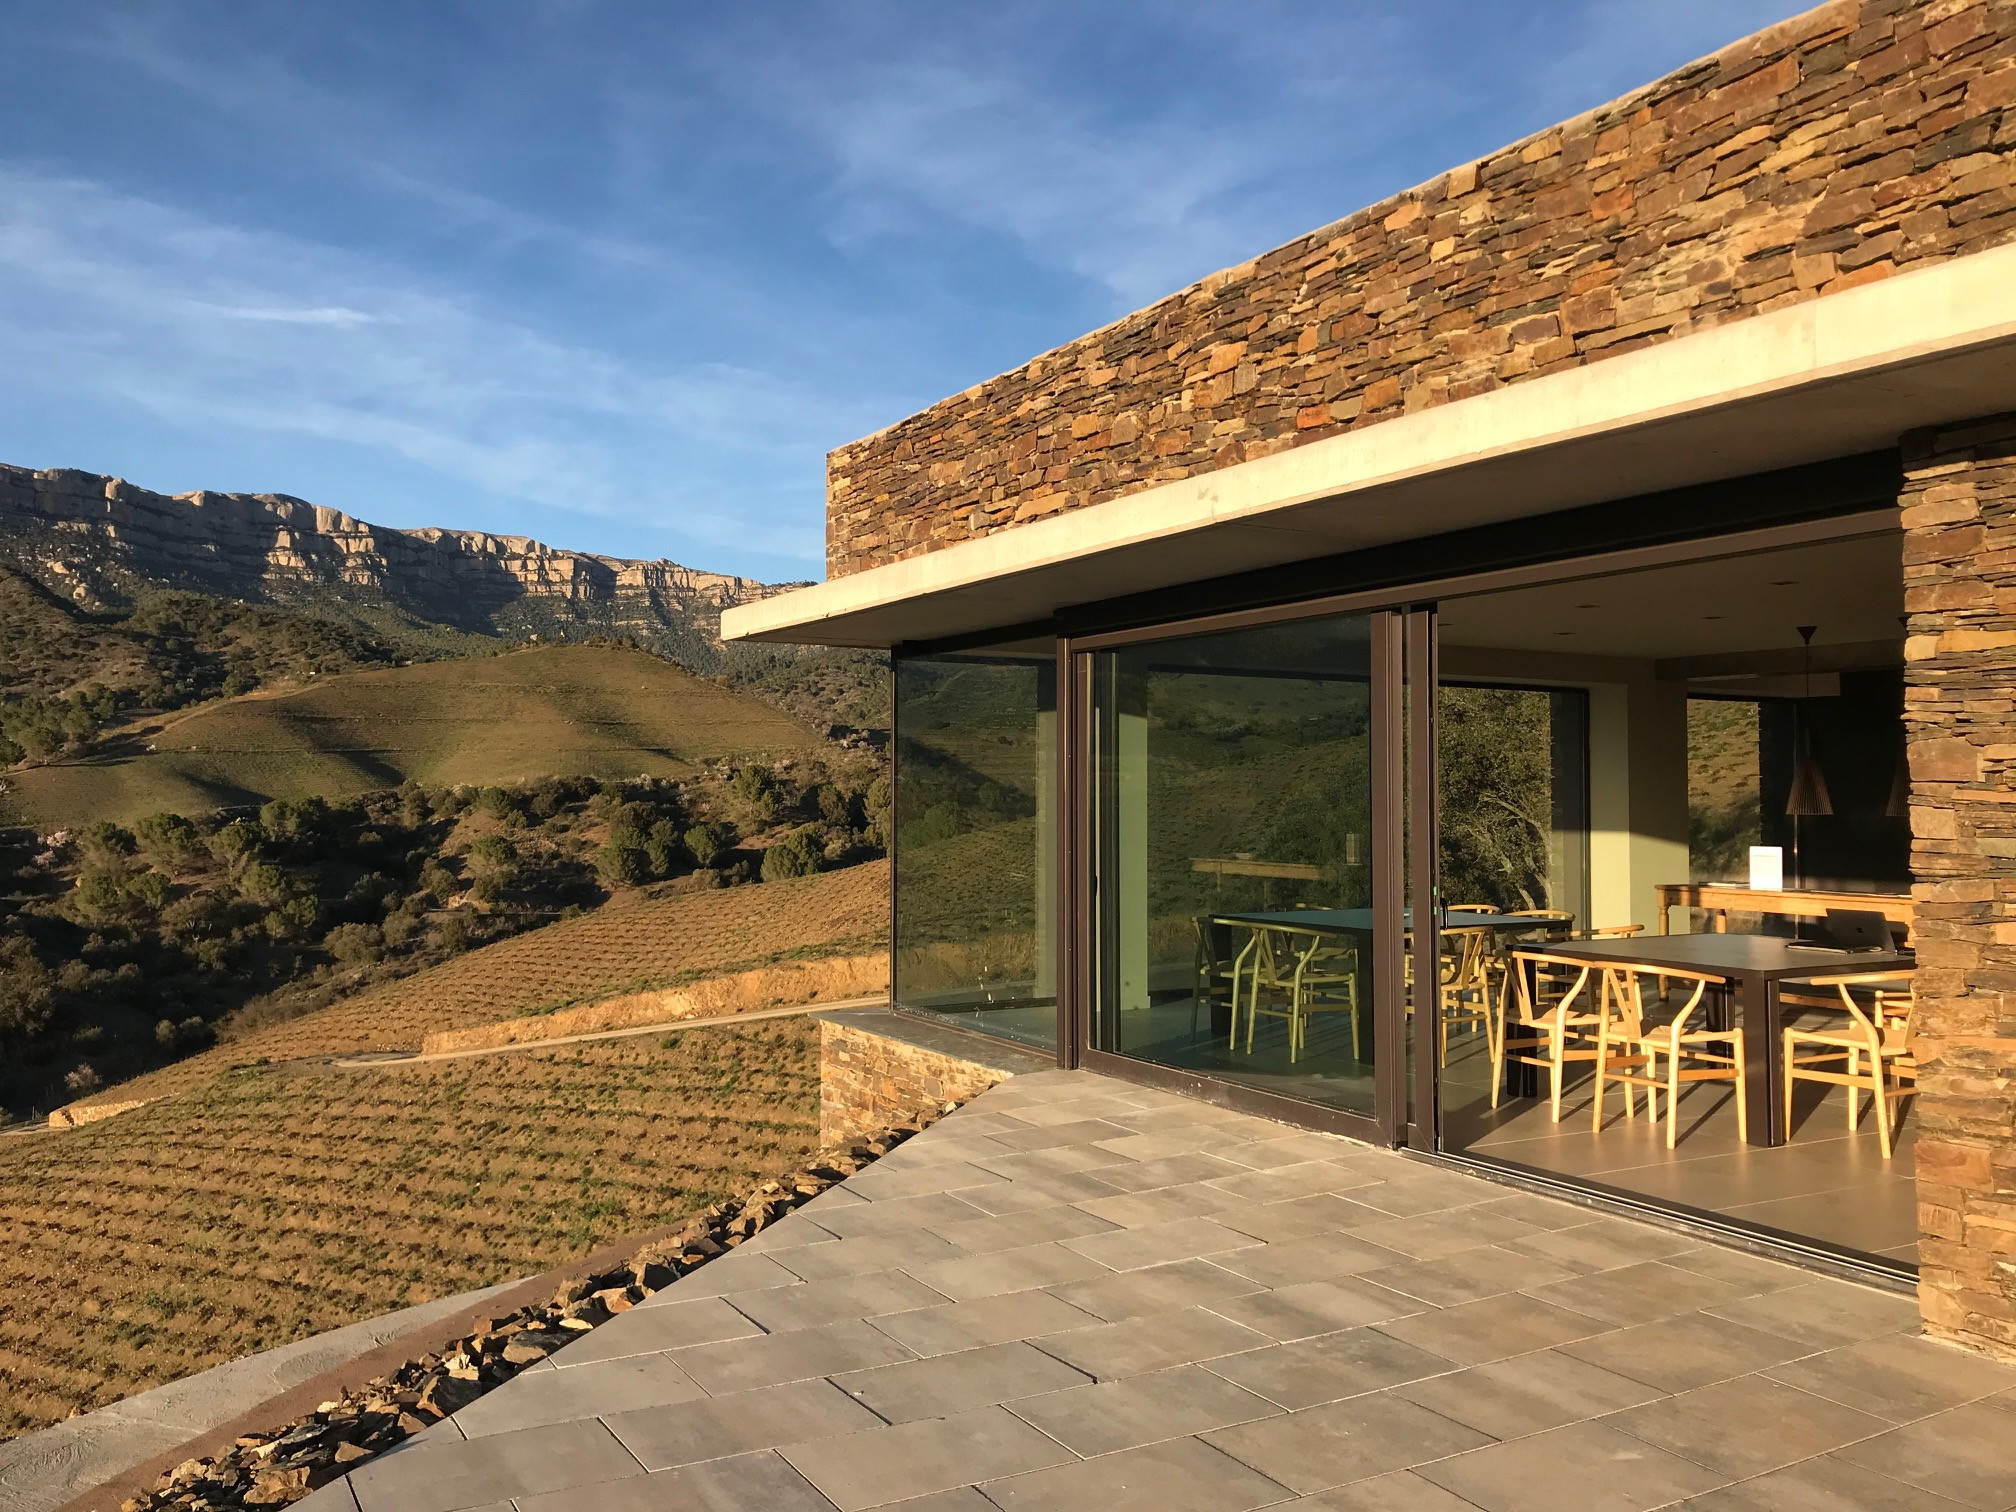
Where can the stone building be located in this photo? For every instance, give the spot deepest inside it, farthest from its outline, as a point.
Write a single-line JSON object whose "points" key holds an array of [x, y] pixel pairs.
{"points": [[1490, 590]]}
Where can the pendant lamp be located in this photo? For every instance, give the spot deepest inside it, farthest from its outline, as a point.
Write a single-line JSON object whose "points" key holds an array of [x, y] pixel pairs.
{"points": [[1809, 784]]}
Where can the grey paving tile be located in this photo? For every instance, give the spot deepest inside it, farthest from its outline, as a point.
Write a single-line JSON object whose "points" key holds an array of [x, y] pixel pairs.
{"points": [[1178, 1475], [1084, 1131], [1154, 1342], [585, 1391], [1678, 1354], [878, 1185], [1748, 1425], [785, 1308], [647, 1330], [771, 1359], [958, 1499], [914, 1459], [1543, 1212], [1159, 1288], [1401, 1491], [1170, 1170], [1291, 1148], [1040, 1190], [984, 1320], [1604, 1244], [1063, 1160], [932, 1210], [957, 1146], [898, 1249], [1468, 1275], [1587, 1466], [1967, 1455], [1298, 1217], [1316, 1307], [1822, 1484], [1529, 1393], [1320, 1257], [949, 1383], [1180, 1141], [1141, 1409], [1325, 1446], [1308, 1178], [731, 1273], [984, 1234], [1824, 1313], [1752, 1272], [1010, 1270], [455, 1476], [761, 1482], [1413, 1191], [338, 1497], [1327, 1368], [740, 1423], [1641, 1293], [1478, 1332], [1124, 1249], [976, 1119], [1430, 1236], [1193, 1199], [1901, 1377]]}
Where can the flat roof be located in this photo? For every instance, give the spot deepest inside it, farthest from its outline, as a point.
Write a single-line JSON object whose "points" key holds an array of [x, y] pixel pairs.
{"points": [[1829, 377]]}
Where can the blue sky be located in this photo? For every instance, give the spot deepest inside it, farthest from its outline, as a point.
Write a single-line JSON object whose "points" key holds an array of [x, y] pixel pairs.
{"points": [[619, 275]]}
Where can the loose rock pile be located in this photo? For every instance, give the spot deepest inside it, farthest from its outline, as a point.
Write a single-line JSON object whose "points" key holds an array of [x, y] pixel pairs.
{"points": [[277, 1468]]}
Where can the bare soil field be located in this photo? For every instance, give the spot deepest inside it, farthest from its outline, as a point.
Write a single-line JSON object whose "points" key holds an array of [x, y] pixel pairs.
{"points": [[272, 1203], [624, 948]]}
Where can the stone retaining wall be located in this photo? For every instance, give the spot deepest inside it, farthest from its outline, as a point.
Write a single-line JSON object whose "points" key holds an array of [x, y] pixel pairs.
{"points": [[1860, 138], [869, 1082], [1960, 711]]}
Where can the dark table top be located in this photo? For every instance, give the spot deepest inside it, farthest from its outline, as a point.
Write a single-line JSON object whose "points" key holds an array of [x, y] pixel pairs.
{"points": [[1359, 920], [1761, 956]]}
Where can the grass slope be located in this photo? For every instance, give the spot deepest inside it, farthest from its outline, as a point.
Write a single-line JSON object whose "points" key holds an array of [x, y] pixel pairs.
{"points": [[647, 943], [263, 1206], [596, 711]]}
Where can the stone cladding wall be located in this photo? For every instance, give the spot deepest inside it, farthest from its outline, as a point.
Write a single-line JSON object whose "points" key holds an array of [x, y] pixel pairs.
{"points": [[1858, 139], [869, 1082], [1960, 710]]}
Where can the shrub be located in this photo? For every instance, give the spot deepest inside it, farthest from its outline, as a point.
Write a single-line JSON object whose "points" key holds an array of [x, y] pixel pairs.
{"points": [[799, 854], [150, 890], [624, 861], [235, 841], [704, 844], [104, 842], [27, 990], [100, 895], [265, 884], [663, 848], [168, 837], [83, 1080], [501, 806], [493, 856], [89, 1039], [354, 944]]}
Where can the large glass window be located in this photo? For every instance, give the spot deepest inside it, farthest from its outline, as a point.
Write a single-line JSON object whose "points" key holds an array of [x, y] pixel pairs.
{"points": [[1232, 840], [975, 837]]}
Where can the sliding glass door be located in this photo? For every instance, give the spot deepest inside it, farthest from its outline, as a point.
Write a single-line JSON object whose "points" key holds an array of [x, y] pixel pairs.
{"points": [[1233, 858]]}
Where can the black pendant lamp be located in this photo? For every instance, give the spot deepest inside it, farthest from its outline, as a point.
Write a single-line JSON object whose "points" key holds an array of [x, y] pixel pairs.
{"points": [[1809, 784]]}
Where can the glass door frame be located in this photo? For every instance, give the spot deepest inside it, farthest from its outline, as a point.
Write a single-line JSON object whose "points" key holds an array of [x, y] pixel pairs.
{"points": [[1079, 928]]}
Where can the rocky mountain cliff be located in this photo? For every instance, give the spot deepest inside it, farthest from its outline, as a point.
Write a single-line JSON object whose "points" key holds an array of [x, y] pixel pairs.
{"points": [[95, 541]]}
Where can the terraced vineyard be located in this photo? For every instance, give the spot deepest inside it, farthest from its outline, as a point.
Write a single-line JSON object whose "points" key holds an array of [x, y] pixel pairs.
{"points": [[657, 942], [265, 1206]]}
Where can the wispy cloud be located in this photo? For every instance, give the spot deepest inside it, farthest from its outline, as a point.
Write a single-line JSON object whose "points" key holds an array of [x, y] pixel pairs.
{"points": [[206, 324]]}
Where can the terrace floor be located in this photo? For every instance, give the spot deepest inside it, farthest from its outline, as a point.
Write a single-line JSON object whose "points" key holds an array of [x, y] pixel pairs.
{"points": [[1080, 1295]]}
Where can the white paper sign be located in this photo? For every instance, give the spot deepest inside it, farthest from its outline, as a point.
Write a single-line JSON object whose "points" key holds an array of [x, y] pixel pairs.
{"points": [[1767, 868]]}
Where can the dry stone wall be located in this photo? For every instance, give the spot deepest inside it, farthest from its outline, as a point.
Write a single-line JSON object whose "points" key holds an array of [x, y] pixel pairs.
{"points": [[1856, 140], [869, 1082], [1960, 709]]}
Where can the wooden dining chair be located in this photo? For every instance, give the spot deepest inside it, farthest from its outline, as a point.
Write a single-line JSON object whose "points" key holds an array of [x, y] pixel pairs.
{"points": [[1690, 1054], [1866, 1054], [1216, 979], [1326, 981], [1549, 1035]]}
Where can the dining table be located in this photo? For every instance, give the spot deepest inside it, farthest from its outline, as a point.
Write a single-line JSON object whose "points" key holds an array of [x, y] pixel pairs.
{"points": [[1756, 967]]}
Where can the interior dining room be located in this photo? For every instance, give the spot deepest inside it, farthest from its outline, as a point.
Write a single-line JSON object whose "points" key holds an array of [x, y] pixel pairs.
{"points": [[1690, 780]]}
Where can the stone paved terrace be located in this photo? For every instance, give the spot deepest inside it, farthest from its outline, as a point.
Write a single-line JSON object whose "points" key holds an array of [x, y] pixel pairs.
{"points": [[1078, 1295]]}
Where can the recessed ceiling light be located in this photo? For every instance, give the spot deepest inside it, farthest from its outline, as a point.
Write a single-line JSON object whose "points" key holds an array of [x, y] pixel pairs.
{"points": [[1786, 583], [1713, 616], [1564, 632], [1588, 606]]}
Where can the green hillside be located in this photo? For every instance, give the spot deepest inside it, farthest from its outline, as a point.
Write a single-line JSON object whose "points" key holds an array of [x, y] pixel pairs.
{"points": [[598, 711]]}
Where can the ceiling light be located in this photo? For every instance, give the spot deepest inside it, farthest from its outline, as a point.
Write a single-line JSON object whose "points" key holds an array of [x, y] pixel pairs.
{"points": [[1785, 583], [1711, 616]]}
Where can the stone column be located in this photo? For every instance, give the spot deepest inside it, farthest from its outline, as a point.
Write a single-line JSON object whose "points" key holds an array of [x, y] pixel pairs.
{"points": [[1959, 516]]}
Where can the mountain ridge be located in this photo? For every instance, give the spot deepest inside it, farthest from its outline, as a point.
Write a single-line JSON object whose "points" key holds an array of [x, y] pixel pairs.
{"points": [[94, 540]]}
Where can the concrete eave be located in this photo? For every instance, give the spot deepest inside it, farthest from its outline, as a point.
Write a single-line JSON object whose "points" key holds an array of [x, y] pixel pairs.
{"points": [[1832, 376]]}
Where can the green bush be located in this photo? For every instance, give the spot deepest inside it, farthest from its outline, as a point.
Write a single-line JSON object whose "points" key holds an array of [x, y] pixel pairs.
{"points": [[624, 861], [799, 854], [168, 837], [235, 841], [704, 843]]}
